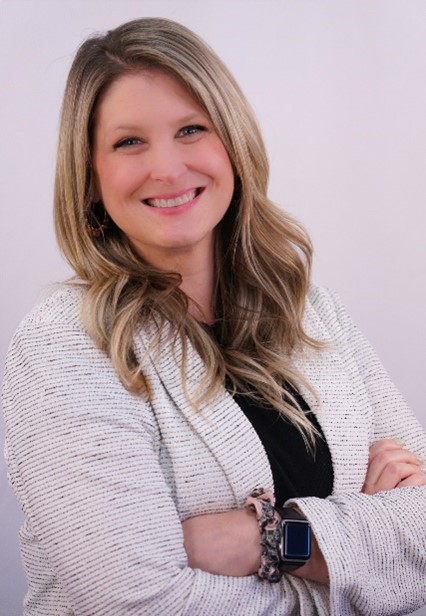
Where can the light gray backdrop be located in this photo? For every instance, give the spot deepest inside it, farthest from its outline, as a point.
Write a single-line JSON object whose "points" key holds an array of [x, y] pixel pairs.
{"points": [[339, 87]]}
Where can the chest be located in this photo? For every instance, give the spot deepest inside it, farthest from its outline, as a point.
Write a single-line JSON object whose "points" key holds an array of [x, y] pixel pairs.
{"points": [[213, 459]]}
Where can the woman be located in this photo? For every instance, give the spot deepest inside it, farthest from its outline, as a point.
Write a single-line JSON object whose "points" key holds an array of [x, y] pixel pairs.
{"points": [[190, 362]]}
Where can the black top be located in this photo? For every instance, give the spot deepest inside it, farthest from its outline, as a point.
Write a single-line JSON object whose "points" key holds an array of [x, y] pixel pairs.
{"points": [[295, 470]]}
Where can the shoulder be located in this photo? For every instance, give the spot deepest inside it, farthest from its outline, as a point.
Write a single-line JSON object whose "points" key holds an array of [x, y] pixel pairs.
{"points": [[53, 364], [52, 329], [324, 301], [61, 308], [324, 312]]}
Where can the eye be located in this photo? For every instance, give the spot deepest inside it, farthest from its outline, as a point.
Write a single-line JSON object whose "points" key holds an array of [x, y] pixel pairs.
{"points": [[127, 142], [189, 131]]}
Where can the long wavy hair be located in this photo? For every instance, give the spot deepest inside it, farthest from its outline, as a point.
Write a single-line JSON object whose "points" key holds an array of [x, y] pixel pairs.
{"points": [[262, 255]]}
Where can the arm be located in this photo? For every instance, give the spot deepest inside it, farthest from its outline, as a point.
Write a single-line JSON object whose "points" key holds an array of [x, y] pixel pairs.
{"points": [[229, 543], [374, 545], [223, 543], [84, 462], [390, 467]]}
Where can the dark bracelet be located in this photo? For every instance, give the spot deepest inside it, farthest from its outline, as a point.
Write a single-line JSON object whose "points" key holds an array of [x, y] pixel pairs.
{"points": [[262, 502]]}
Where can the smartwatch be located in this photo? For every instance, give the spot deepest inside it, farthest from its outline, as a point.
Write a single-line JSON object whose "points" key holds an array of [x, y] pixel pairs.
{"points": [[295, 548]]}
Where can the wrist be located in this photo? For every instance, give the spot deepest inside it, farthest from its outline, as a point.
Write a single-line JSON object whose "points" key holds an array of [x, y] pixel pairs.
{"points": [[315, 568], [223, 543], [285, 536], [296, 539]]}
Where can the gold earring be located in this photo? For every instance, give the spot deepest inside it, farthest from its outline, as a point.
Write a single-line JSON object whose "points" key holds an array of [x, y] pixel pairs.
{"points": [[95, 228]]}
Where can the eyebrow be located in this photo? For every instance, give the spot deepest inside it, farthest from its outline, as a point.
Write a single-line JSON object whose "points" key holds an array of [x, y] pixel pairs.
{"points": [[187, 119], [191, 116]]}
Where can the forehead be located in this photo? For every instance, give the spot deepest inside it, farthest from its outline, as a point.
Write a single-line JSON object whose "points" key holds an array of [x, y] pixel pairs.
{"points": [[146, 91]]}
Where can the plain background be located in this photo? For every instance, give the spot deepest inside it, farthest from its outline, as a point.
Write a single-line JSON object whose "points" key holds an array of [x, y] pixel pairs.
{"points": [[339, 88]]}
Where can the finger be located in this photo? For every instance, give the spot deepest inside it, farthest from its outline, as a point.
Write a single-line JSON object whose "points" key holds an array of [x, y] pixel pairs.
{"points": [[384, 445], [418, 479], [391, 477], [386, 457]]}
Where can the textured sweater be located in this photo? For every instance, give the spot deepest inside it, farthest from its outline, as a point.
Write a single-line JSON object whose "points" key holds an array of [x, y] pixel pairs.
{"points": [[105, 477]]}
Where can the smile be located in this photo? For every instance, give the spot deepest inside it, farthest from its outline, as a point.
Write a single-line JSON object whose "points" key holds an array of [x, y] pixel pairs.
{"points": [[180, 200]]}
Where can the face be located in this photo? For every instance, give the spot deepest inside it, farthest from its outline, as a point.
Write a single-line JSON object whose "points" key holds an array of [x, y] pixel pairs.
{"points": [[161, 171]]}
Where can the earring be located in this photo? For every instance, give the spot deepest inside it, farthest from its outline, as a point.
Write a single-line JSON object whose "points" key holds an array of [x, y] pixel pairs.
{"points": [[95, 228]]}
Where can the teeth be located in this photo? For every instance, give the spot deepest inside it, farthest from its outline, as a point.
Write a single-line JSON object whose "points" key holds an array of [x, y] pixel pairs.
{"points": [[172, 202]]}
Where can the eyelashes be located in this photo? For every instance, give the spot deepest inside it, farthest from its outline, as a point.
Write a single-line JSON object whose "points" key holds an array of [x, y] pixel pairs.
{"points": [[127, 142], [192, 130]]}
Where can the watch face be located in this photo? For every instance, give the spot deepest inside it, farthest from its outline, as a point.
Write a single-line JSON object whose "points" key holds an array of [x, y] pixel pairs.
{"points": [[297, 540]]}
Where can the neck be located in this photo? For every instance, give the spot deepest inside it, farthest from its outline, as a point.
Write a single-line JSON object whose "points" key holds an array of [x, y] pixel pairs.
{"points": [[197, 271], [198, 287]]}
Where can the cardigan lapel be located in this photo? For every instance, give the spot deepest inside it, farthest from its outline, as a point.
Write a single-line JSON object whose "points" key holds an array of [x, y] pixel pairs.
{"points": [[340, 408], [220, 423]]}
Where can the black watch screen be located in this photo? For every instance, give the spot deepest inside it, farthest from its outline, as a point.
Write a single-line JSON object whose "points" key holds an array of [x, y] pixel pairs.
{"points": [[296, 540]]}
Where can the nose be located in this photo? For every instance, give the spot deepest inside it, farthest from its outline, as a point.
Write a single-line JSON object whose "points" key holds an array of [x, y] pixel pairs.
{"points": [[167, 163]]}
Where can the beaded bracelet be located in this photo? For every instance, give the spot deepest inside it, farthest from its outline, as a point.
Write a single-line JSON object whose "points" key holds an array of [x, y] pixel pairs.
{"points": [[262, 502]]}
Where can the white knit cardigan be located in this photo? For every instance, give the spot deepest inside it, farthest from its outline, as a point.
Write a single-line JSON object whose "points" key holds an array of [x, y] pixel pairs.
{"points": [[105, 478]]}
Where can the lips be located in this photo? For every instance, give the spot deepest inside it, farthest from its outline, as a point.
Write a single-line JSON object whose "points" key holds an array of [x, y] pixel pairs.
{"points": [[175, 201]]}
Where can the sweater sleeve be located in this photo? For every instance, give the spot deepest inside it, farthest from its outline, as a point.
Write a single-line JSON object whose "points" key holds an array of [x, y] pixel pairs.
{"points": [[375, 546], [102, 533]]}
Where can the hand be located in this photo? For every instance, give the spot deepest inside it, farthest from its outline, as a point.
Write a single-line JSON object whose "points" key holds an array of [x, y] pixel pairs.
{"points": [[391, 466]]}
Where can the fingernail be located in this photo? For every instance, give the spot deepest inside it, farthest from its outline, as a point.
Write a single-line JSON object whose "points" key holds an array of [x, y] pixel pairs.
{"points": [[423, 467]]}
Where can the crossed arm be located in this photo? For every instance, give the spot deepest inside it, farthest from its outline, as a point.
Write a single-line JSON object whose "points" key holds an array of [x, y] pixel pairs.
{"points": [[229, 543]]}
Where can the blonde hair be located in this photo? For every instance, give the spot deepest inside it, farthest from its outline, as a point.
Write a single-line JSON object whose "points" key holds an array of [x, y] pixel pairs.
{"points": [[262, 255]]}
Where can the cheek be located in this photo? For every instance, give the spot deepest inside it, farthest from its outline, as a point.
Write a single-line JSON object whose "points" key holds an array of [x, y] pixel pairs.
{"points": [[221, 166], [118, 180]]}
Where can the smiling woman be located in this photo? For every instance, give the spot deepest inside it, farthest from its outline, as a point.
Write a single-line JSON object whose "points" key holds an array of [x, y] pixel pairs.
{"points": [[192, 426]]}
